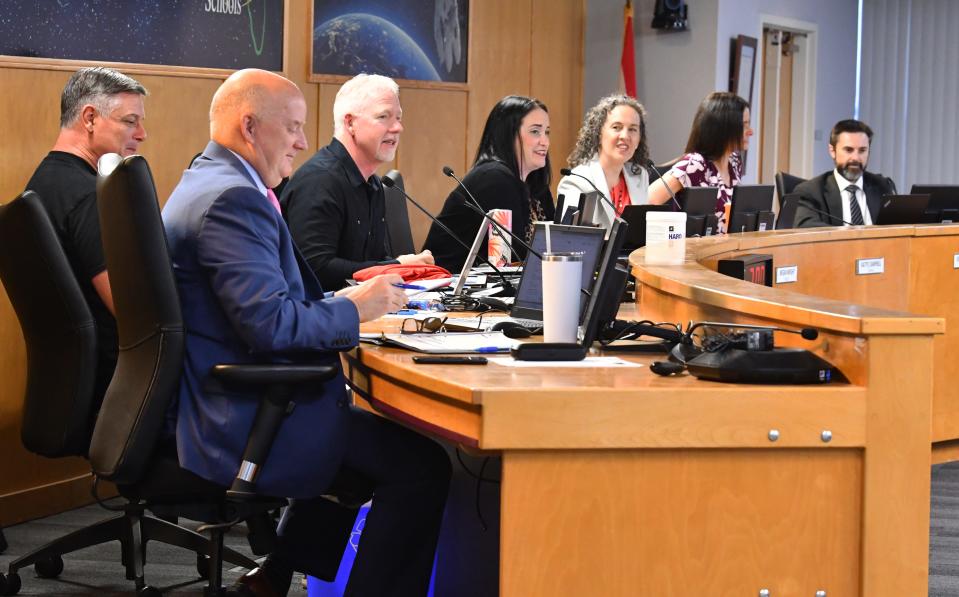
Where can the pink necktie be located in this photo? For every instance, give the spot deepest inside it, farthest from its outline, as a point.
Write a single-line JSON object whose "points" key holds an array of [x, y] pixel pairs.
{"points": [[272, 197]]}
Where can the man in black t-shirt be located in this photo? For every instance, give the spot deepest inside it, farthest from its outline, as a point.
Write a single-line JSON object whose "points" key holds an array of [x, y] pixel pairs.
{"points": [[101, 111]]}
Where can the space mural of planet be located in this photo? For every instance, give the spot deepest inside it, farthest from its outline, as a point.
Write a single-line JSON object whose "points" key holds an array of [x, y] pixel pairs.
{"points": [[364, 43]]}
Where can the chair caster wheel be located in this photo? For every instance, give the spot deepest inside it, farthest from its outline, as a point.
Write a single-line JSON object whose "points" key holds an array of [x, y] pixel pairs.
{"points": [[50, 567], [203, 566], [148, 591], [10, 584]]}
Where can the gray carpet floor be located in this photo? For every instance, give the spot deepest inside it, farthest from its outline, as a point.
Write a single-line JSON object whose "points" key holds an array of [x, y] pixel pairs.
{"points": [[97, 570]]}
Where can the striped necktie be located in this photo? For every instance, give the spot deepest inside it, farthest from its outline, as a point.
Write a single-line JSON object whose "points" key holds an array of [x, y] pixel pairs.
{"points": [[855, 213]]}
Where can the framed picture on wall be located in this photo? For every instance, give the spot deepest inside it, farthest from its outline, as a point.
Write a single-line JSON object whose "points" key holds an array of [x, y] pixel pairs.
{"points": [[202, 34], [414, 41], [742, 67]]}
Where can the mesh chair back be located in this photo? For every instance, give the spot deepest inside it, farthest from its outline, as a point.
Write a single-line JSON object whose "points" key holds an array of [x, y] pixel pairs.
{"points": [[58, 330], [149, 323], [398, 218]]}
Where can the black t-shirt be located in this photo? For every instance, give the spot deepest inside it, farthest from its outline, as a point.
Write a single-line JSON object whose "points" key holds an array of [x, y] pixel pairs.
{"points": [[337, 219], [67, 186]]}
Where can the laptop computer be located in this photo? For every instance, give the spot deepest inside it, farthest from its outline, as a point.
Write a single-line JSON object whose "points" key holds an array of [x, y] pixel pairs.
{"points": [[902, 209], [527, 308]]}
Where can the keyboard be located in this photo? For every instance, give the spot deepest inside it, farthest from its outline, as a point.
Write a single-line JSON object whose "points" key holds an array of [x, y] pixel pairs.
{"points": [[487, 322]]}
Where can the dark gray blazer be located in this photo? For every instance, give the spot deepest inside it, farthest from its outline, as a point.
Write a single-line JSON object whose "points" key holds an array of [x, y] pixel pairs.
{"points": [[821, 194]]}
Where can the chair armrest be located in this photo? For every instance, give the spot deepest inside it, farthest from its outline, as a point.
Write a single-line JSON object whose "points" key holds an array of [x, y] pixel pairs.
{"points": [[274, 374], [278, 382]]}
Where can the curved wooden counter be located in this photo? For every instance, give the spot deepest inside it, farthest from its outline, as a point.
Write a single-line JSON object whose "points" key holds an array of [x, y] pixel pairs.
{"points": [[917, 293], [619, 482]]}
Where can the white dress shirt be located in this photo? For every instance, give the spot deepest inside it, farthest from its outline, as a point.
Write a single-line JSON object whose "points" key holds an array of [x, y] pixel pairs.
{"points": [[860, 198]]}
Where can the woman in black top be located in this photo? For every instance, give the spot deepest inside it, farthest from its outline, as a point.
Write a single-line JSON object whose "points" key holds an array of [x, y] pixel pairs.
{"points": [[511, 171]]}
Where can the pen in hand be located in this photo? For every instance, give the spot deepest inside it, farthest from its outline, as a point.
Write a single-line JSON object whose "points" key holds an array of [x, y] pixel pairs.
{"points": [[410, 287]]}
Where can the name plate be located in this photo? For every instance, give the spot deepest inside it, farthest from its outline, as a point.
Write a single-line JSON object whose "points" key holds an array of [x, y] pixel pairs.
{"points": [[955, 261], [866, 267], [787, 274]]}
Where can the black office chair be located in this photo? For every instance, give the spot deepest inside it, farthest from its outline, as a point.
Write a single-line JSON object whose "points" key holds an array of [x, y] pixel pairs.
{"points": [[785, 184], [59, 404], [399, 235], [124, 448], [787, 211]]}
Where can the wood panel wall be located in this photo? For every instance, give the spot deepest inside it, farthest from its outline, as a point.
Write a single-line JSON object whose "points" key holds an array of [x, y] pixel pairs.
{"points": [[527, 47]]}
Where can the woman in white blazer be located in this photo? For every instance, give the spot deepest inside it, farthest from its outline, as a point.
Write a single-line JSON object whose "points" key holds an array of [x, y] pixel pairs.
{"points": [[611, 152]]}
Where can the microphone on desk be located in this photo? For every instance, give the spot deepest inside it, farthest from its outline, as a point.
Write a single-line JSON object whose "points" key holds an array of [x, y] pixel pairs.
{"points": [[390, 183], [672, 195], [806, 333], [475, 206], [761, 340], [828, 215], [568, 172]]}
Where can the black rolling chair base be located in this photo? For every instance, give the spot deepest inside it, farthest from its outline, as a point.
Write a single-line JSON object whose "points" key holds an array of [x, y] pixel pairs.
{"points": [[134, 529]]}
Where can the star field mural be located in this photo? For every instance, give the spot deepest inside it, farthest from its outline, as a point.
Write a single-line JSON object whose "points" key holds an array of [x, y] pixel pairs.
{"points": [[228, 34], [423, 40]]}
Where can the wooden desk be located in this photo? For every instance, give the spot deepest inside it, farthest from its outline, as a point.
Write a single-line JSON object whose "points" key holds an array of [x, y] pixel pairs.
{"points": [[618, 482]]}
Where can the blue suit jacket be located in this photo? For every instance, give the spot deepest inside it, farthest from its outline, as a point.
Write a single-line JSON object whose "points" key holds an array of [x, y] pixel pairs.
{"points": [[247, 297]]}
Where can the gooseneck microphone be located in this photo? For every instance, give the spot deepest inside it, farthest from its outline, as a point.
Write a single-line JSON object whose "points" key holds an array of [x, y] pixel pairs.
{"points": [[568, 172], [475, 206], [668, 190], [806, 333], [390, 183], [828, 215]]}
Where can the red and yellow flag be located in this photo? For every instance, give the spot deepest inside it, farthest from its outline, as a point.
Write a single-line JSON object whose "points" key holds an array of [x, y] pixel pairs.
{"points": [[627, 62]]}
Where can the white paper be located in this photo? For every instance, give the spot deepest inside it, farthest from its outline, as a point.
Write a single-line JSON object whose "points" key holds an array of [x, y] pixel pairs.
{"points": [[462, 342]]}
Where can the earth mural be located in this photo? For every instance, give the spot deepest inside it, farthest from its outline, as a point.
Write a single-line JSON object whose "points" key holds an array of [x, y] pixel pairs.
{"points": [[365, 43]]}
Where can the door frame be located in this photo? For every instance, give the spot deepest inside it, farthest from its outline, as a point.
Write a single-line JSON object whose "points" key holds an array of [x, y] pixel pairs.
{"points": [[803, 124]]}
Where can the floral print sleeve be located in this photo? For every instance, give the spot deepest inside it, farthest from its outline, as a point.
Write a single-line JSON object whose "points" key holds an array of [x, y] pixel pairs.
{"points": [[690, 170], [694, 170]]}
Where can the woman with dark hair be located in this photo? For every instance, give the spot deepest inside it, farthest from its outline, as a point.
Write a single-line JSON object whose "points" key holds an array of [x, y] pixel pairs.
{"points": [[720, 132], [610, 152], [511, 171]]}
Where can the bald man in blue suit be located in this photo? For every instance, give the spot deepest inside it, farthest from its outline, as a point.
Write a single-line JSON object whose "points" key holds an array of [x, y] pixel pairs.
{"points": [[248, 296]]}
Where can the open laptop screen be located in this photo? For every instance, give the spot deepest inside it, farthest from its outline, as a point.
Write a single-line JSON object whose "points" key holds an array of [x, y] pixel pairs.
{"points": [[528, 303]]}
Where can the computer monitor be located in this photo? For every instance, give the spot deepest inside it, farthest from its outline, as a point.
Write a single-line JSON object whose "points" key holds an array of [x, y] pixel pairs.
{"points": [[603, 303], [528, 303], [943, 201], [752, 208], [902, 209], [699, 203], [635, 216]]}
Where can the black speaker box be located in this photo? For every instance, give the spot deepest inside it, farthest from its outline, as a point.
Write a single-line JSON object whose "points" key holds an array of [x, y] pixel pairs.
{"points": [[777, 366]]}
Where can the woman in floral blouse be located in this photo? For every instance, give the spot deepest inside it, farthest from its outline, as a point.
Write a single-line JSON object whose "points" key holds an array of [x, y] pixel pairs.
{"points": [[720, 132]]}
